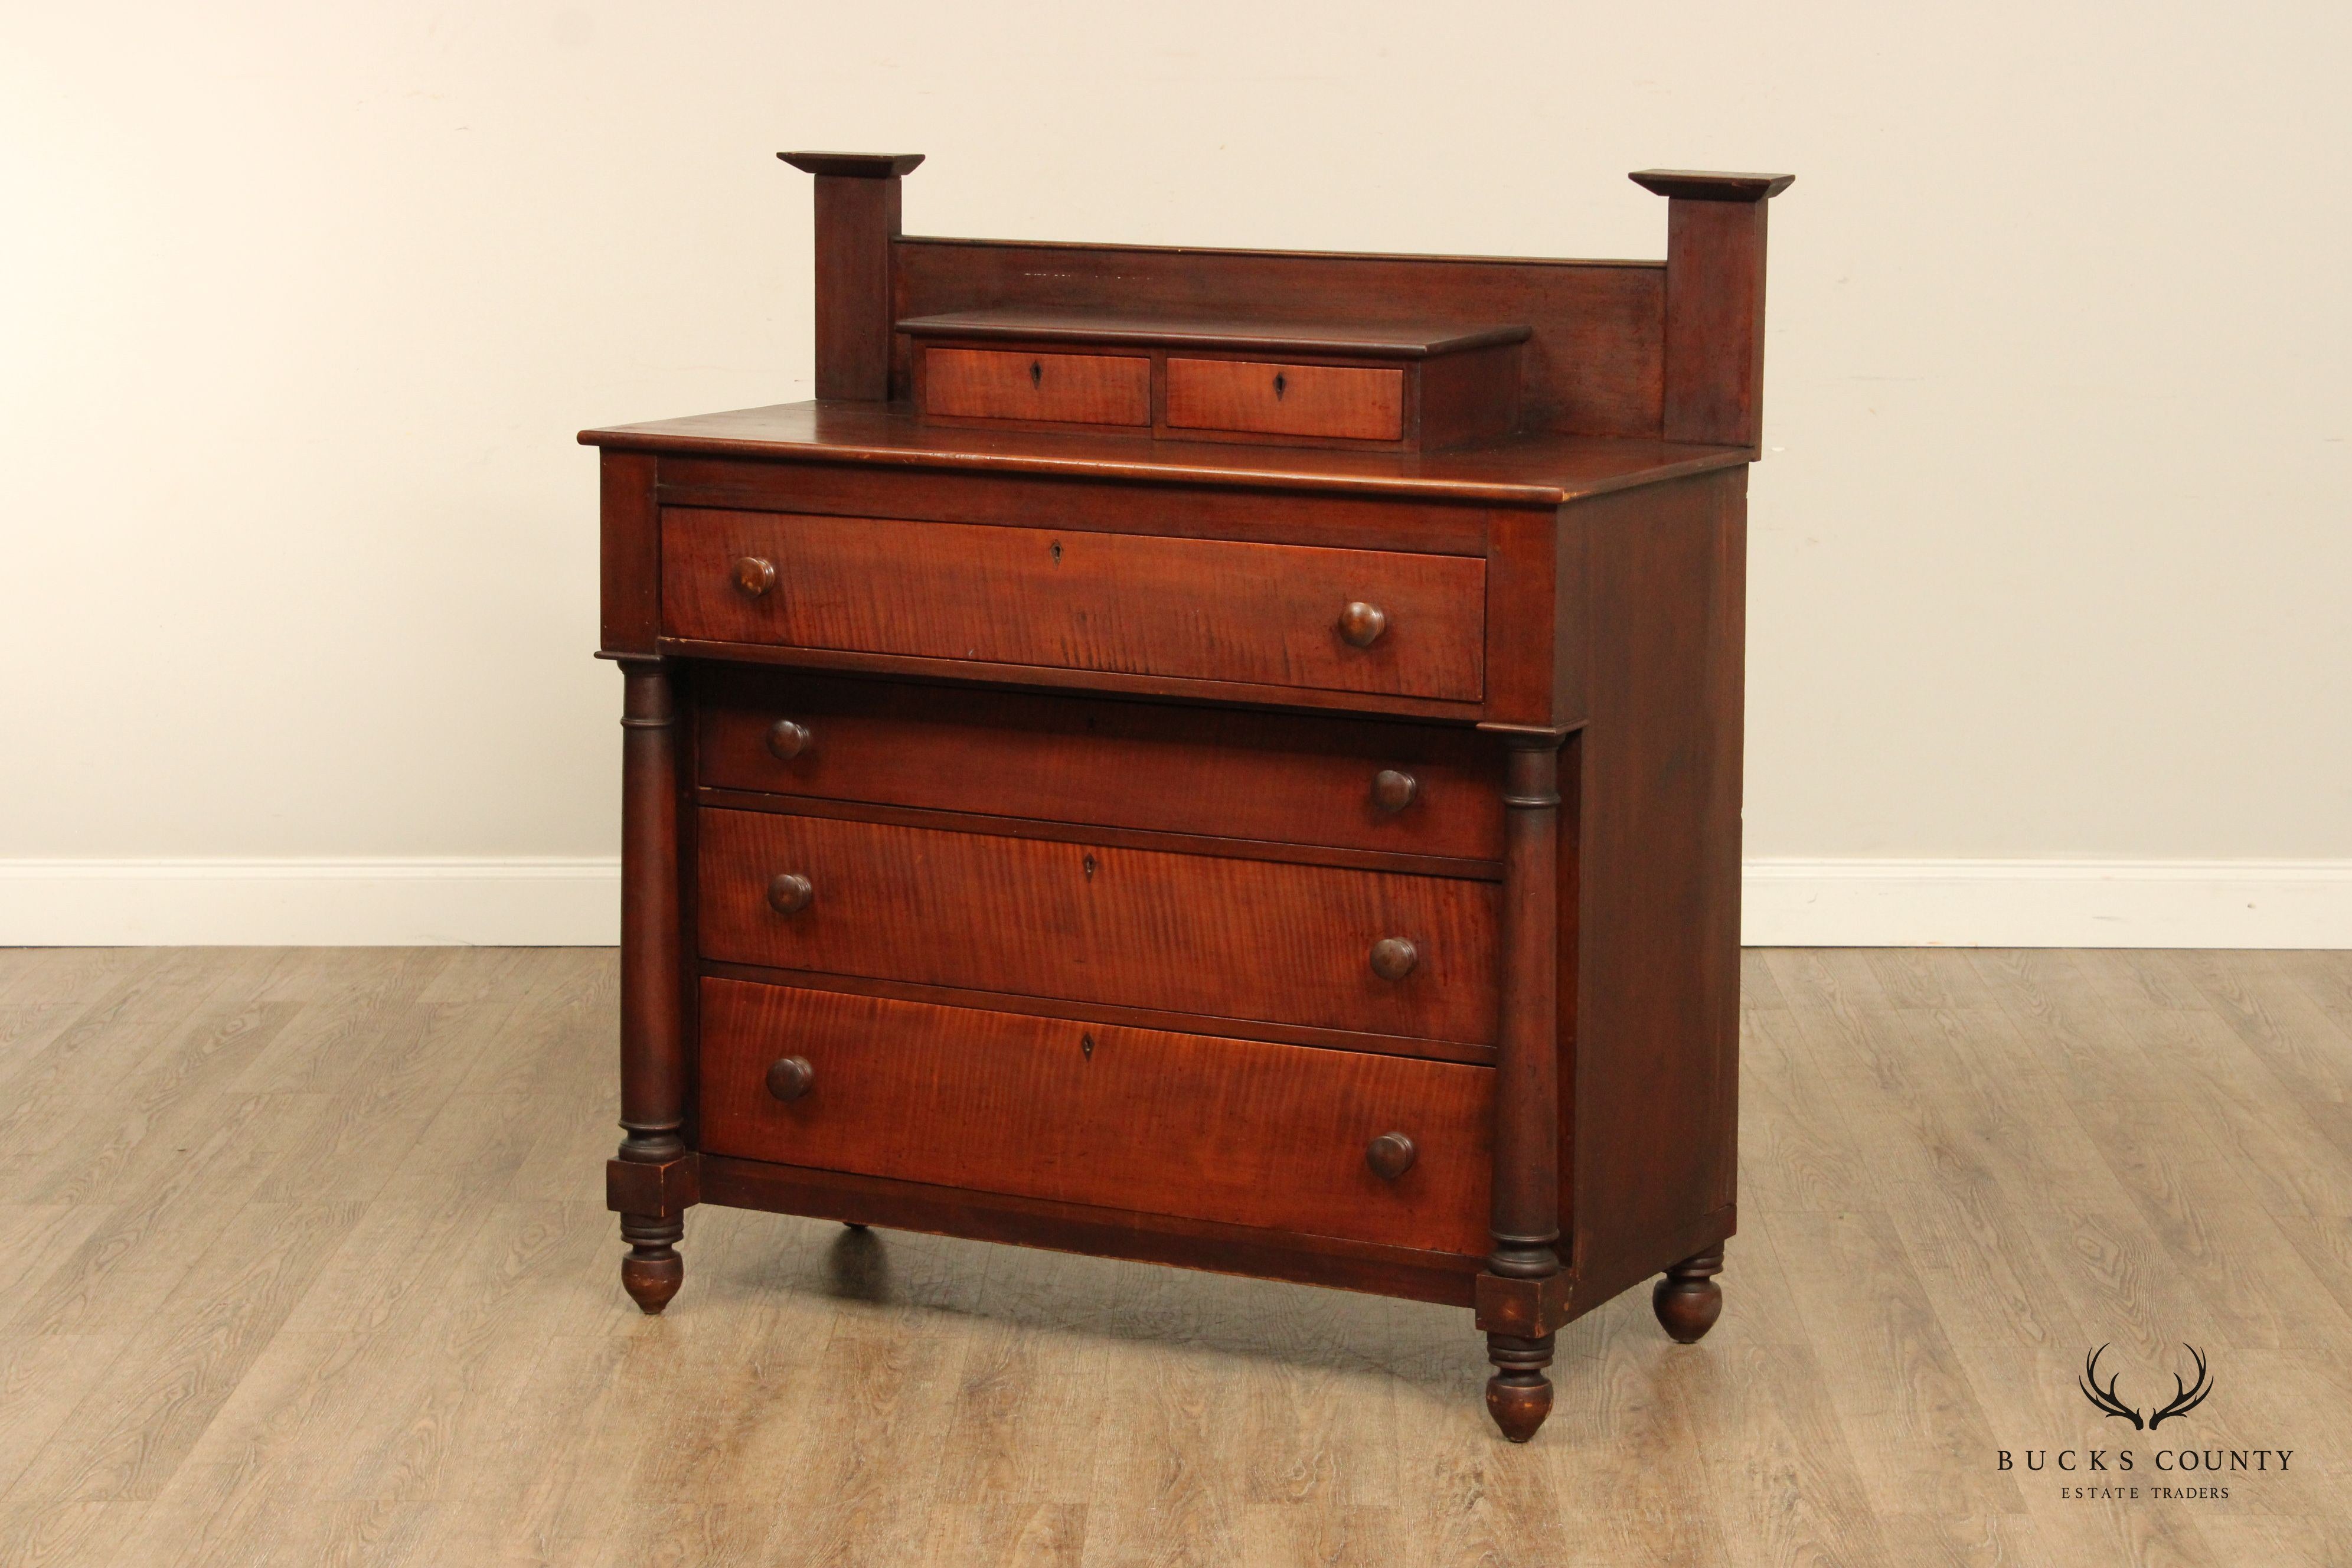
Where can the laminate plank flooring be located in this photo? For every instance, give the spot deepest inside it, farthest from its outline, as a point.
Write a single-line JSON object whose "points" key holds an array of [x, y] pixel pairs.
{"points": [[303, 1260]]}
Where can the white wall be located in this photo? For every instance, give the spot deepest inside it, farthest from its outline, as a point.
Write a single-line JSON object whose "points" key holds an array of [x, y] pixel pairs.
{"points": [[300, 305]]}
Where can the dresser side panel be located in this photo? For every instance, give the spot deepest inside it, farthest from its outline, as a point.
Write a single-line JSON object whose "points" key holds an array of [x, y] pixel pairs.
{"points": [[1655, 1102]]}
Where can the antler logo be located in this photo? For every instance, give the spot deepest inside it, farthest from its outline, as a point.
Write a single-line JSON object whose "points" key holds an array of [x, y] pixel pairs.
{"points": [[2186, 1397]]}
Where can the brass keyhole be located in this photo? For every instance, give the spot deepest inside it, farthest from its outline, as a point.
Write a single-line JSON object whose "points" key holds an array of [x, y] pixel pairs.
{"points": [[1090, 867], [1087, 1046], [1037, 373], [1279, 384], [1056, 549]]}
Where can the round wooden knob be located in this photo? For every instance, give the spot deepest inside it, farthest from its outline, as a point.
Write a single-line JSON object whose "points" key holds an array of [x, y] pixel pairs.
{"points": [[792, 1078], [755, 577], [1362, 624], [789, 893], [787, 740], [1390, 1155], [1393, 957], [1392, 790]]}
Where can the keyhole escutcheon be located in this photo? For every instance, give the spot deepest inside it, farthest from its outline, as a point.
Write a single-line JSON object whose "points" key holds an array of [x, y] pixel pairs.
{"points": [[1037, 373], [1087, 1046], [1280, 383]]}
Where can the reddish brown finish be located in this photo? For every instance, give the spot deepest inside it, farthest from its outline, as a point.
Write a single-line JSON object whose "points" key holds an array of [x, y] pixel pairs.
{"points": [[1658, 860], [1150, 766], [1186, 934], [1591, 366], [1525, 1220], [1361, 625], [1363, 405], [789, 1078], [1211, 610], [653, 1051], [1470, 1054], [1687, 1300], [1259, 516], [857, 209], [630, 539], [754, 576], [854, 165], [788, 741], [789, 892], [1178, 1124], [1714, 302], [1527, 469], [1055, 388], [1393, 789], [1468, 398], [1391, 1155], [1259, 339], [1272, 919]]}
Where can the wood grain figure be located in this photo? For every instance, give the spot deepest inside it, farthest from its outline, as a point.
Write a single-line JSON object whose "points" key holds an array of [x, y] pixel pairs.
{"points": [[1224, 758]]}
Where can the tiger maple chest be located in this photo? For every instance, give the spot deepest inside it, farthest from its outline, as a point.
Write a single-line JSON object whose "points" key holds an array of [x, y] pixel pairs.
{"points": [[1228, 759]]}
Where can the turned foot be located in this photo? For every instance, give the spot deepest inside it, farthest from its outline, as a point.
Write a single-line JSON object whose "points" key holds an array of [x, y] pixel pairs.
{"points": [[853, 1225], [1518, 1396], [1688, 1300], [652, 1272]]}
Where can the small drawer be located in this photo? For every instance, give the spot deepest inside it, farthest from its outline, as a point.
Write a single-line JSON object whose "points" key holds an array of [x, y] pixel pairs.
{"points": [[1051, 388], [1402, 788], [1317, 946], [1270, 615], [1358, 403], [1238, 1132]]}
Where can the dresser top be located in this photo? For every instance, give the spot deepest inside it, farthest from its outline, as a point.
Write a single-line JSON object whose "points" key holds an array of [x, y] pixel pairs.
{"points": [[1371, 340], [1534, 470]]}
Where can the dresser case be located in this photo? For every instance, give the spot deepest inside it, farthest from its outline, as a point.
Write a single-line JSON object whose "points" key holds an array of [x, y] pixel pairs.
{"points": [[1224, 758]]}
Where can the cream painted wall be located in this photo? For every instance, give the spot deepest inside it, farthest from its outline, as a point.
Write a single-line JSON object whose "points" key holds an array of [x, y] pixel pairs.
{"points": [[299, 306]]}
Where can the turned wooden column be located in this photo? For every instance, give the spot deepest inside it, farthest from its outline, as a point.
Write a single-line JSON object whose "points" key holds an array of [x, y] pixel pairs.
{"points": [[1521, 1297], [651, 1181]]}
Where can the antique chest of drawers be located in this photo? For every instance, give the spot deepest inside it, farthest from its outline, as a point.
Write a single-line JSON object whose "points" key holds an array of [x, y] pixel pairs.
{"points": [[1230, 759]]}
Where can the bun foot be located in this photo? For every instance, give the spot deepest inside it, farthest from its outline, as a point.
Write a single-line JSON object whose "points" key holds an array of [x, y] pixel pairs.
{"points": [[652, 1271], [1688, 1300], [652, 1281], [1518, 1396]]}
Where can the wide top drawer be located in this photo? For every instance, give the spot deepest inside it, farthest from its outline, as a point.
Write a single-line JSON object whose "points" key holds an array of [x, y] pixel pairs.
{"points": [[1265, 615]]}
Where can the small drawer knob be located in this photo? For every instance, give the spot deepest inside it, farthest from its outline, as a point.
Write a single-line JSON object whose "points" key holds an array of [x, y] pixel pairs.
{"points": [[1390, 1155], [1393, 957], [754, 576], [1362, 624], [792, 1078], [1393, 789], [790, 892], [787, 740]]}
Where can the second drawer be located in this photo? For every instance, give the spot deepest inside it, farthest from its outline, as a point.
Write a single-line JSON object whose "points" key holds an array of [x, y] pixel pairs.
{"points": [[1405, 788], [1309, 945]]}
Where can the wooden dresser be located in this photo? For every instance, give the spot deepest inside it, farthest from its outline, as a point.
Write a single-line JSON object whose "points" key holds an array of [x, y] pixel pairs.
{"points": [[1224, 758]]}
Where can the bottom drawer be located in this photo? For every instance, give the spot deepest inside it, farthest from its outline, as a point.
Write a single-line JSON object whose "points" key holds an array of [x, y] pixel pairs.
{"points": [[1234, 1131]]}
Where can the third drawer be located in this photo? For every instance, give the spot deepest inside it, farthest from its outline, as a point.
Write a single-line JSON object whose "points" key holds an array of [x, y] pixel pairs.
{"points": [[1315, 946], [1349, 784]]}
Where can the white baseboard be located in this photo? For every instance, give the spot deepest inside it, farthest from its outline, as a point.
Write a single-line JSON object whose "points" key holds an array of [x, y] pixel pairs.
{"points": [[2047, 903], [576, 903], [311, 903]]}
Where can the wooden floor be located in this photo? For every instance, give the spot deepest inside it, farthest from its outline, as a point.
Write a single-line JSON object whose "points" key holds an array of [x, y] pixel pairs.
{"points": [[305, 1262]]}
